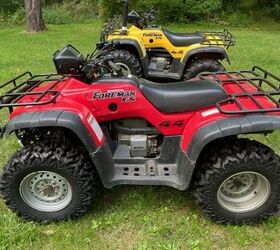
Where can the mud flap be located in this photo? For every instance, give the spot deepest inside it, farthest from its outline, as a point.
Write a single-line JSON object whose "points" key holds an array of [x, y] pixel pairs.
{"points": [[103, 161]]}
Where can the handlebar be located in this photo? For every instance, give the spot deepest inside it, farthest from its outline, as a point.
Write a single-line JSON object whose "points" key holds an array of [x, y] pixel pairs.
{"points": [[111, 44], [141, 20], [101, 60], [102, 49], [113, 66]]}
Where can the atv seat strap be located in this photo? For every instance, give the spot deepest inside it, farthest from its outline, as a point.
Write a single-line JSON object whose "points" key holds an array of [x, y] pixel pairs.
{"points": [[184, 39], [185, 96]]}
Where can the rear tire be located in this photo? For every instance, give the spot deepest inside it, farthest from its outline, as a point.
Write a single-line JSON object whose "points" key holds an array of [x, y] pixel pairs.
{"points": [[199, 66], [128, 62], [46, 182], [239, 182]]}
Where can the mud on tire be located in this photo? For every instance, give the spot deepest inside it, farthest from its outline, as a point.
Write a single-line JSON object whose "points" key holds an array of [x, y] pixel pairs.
{"points": [[124, 57], [238, 182], [58, 166], [199, 66]]}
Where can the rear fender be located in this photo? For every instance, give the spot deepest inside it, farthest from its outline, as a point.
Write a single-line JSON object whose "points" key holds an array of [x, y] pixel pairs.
{"points": [[194, 142], [216, 51], [85, 128]]}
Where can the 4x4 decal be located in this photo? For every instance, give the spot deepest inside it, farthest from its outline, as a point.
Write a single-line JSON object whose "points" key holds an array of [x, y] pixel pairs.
{"points": [[167, 124]]}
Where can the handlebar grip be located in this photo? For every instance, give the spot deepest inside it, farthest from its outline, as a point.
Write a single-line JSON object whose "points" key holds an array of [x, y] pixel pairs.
{"points": [[116, 43], [113, 65], [111, 44]]}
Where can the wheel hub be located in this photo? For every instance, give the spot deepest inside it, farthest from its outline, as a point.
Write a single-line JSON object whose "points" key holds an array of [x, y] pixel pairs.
{"points": [[244, 192], [239, 184], [47, 188], [46, 191], [124, 68]]}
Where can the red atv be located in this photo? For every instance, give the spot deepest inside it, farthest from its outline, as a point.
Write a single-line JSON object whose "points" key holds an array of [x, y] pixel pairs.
{"points": [[80, 129]]}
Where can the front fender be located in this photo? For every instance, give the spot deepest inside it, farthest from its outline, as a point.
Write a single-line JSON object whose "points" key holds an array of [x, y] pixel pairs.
{"points": [[56, 118], [131, 42], [86, 129]]}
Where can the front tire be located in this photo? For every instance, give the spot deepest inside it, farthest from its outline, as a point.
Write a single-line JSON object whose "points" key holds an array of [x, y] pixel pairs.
{"points": [[48, 183], [199, 66], [239, 182], [128, 62]]}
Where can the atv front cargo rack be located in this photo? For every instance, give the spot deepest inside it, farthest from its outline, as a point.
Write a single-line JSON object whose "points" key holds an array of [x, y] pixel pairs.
{"points": [[222, 38], [265, 85], [112, 27], [24, 85]]}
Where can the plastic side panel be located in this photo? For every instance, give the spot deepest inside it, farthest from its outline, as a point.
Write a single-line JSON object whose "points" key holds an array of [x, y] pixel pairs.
{"points": [[228, 127], [141, 107]]}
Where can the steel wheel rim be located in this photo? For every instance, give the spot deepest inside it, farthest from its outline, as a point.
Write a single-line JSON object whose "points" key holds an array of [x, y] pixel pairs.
{"points": [[125, 69], [46, 191], [244, 192]]}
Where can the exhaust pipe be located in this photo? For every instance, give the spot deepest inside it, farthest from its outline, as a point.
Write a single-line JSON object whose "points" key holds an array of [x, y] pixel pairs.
{"points": [[125, 14]]}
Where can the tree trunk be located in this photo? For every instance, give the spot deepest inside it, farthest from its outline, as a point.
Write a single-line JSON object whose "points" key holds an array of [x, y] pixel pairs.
{"points": [[34, 15]]}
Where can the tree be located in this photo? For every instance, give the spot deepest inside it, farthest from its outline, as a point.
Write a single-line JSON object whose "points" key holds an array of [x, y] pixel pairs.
{"points": [[34, 15]]}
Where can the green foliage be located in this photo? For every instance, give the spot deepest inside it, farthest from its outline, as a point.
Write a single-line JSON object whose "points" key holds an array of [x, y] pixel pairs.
{"points": [[18, 18], [248, 4], [50, 2], [69, 12], [55, 15], [195, 10], [10, 6], [56, 12], [237, 18], [183, 11], [273, 8], [275, 12], [61, 12], [108, 8], [202, 8], [167, 11]]}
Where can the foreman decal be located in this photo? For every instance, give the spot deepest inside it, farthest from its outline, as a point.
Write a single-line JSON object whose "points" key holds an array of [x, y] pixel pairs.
{"points": [[124, 95]]}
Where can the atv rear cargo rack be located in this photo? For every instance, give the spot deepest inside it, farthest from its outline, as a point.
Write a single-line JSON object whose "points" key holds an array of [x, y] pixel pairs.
{"points": [[220, 38], [24, 84], [266, 85]]}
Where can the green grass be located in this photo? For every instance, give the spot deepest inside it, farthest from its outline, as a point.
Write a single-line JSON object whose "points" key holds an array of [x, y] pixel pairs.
{"points": [[132, 217]]}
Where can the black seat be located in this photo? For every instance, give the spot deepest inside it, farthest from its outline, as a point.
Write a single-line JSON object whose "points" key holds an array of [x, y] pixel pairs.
{"points": [[185, 96], [184, 39]]}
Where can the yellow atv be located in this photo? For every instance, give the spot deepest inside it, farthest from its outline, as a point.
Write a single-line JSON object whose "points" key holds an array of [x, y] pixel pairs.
{"points": [[154, 52]]}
